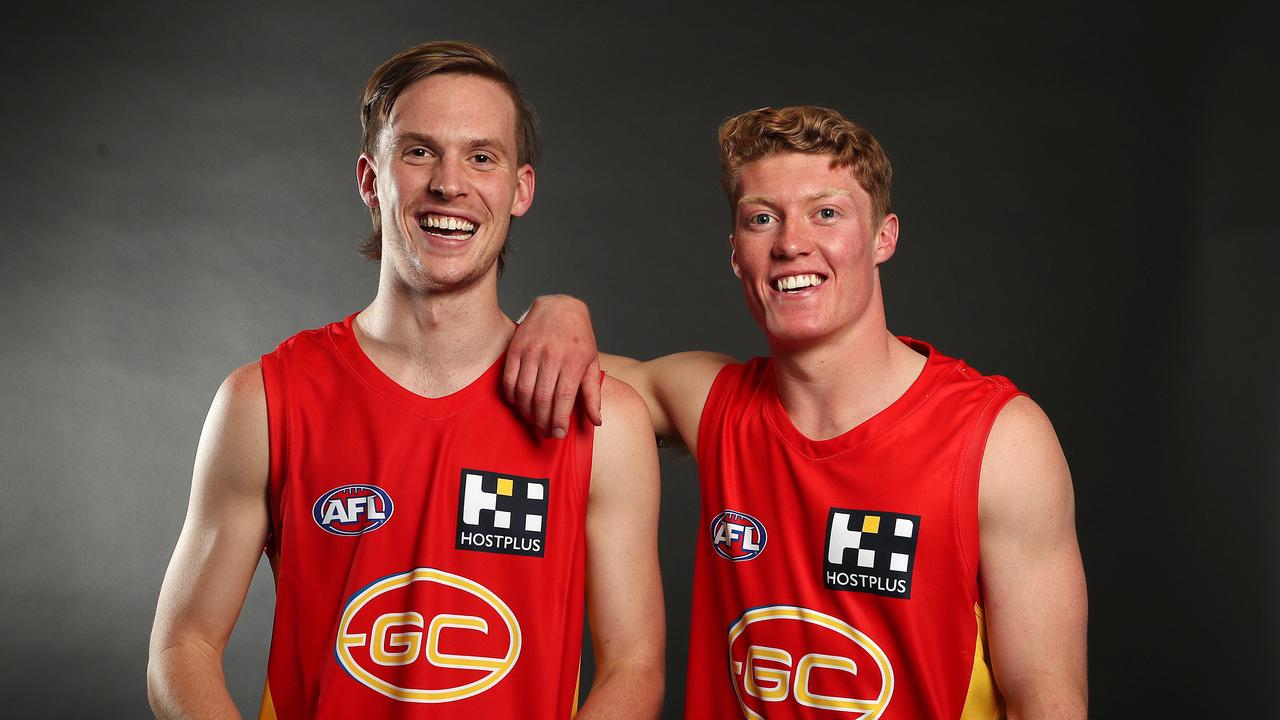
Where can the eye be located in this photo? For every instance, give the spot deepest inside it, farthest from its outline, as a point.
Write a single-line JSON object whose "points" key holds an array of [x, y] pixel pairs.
{"points": [[828, 213], [417, 152], [760, 219], [481, 159]]}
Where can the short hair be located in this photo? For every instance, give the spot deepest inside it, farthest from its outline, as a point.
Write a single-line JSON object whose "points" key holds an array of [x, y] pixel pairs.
{"points": [[757, 134], [435, 58]]}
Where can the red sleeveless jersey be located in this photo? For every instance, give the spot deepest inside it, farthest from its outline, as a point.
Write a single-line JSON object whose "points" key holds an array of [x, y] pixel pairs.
{"points": [[428, 553], [838, 578]]}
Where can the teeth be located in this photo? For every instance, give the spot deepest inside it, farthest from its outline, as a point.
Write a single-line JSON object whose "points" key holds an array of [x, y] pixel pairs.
{"points": [[796, 282], [448, 222]]}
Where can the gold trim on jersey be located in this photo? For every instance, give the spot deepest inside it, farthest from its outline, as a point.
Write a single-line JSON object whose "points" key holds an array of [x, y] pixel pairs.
{"points": [[983, 701]]}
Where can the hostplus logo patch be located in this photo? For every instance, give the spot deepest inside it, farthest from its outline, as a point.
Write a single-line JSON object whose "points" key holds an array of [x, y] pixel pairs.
{"points": [[870, 551], [502, 513]]}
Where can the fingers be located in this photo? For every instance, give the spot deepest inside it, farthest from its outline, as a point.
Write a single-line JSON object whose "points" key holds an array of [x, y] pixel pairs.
{"points": [[544, 394], [526, 382], [511, 375], [591, 382], [566, 392], [543, 390]]}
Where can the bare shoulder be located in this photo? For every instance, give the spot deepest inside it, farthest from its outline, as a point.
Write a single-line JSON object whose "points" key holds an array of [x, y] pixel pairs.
{"points": [[239, 410], [623, 452], [624, 412], [244, 383], [1021, 425], [234, 446], [1024, 472]]}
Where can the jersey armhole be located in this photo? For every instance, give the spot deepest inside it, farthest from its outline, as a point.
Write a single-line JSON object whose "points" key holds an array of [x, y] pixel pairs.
{"points": [[277, 436], [714, 407], [968, 477]]}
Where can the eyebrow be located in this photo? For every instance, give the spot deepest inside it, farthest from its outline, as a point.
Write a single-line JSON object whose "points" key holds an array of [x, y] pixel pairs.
{"points": [[820, 195], [423, 139], [413, 137]]}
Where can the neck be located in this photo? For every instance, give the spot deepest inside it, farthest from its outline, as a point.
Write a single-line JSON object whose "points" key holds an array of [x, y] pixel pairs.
{"points": [[434, 343], [832, 386]]}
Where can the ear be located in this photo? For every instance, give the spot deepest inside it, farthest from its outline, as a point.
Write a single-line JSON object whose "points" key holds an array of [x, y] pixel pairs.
{"points": [[733, 258], [886, 239], [367, 181], [524, 190]]}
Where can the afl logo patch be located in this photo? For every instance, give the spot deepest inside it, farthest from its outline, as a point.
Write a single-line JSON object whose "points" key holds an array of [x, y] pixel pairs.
{"points": [[353, 509], [737, 536], [427, 636]]}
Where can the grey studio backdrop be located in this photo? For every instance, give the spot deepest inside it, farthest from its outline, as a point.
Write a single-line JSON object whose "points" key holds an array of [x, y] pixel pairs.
{"points": [[1084, 202]]}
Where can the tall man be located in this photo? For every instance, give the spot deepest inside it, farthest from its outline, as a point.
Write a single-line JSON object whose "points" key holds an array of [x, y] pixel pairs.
{"points": [[886, 533], [430, 551]]}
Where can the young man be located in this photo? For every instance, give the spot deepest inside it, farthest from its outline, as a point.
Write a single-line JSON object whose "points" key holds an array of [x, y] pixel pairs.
{"points": [[430, 551], [886, 533]]}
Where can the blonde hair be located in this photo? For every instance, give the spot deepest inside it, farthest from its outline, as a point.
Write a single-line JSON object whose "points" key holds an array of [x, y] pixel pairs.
{"points": [[809, 129]]}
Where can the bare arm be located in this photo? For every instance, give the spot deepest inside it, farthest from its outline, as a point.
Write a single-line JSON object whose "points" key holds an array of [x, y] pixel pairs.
{"points": [[624, 588], [1032, 577], [217, 552], [674, 388]]}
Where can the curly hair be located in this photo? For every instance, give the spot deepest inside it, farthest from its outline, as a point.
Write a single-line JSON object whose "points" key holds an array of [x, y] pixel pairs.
{"points": [[757, 134]]}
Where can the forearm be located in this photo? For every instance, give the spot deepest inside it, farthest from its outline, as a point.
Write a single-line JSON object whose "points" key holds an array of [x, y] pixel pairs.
{"points": [[628, 690], [185, 680]]}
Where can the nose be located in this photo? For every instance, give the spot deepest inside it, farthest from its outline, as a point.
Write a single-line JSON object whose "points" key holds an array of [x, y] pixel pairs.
{"points": [[791, 242], [446, 181]]}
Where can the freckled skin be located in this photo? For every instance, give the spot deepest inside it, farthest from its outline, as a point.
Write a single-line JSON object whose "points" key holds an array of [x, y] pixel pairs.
{"points": [[797, 214]]}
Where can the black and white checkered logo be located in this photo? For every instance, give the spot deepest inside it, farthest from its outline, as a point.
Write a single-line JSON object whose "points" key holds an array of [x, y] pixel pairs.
{"points": [[870, 551], [502, 513]]}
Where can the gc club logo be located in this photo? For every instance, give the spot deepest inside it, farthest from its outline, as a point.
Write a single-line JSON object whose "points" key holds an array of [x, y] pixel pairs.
{"points": [[353, 509], [737, 536], [427, 636], [786, 658]]}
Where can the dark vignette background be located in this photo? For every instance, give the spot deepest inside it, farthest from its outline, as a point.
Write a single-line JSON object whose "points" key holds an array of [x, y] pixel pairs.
{"points": [[1084, 196]]}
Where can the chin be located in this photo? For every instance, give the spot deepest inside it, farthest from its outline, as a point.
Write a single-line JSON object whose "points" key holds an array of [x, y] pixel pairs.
{"points": [[795, 333], [453, 276]]}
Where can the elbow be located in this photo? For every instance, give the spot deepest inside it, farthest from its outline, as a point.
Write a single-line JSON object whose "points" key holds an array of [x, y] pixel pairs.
{"points": [[638, 683], [157, 682], [182, 672], [656, 671]]}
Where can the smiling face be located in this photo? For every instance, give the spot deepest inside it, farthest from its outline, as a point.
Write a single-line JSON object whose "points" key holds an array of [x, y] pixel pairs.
{"points": [[806, 248], [445, 180]]}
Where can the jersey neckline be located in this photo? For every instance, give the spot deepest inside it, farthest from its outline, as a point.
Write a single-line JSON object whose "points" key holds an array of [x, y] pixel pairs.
{"points": [[344, 339], [919, 390]]}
